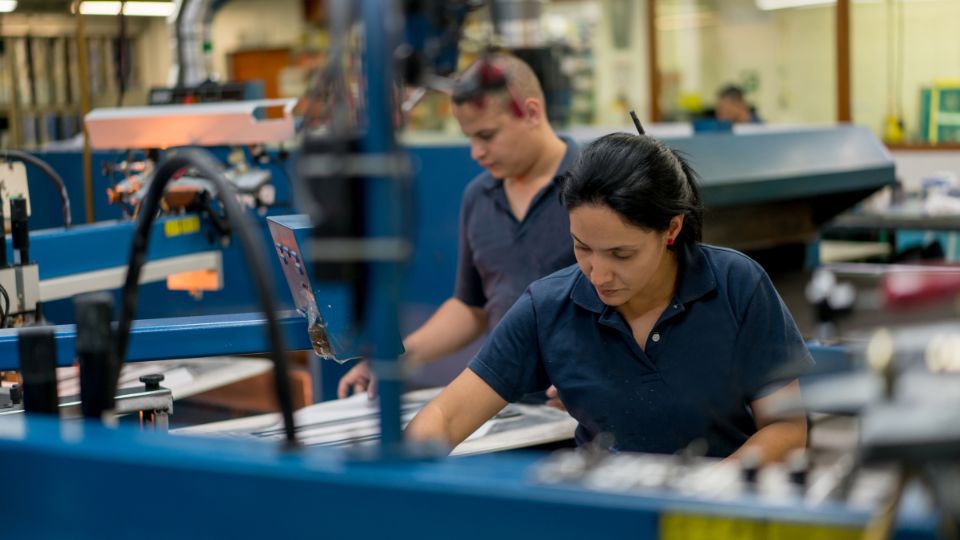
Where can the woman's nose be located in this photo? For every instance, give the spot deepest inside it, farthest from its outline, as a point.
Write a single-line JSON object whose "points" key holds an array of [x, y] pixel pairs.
{"points": [[600, 275]]}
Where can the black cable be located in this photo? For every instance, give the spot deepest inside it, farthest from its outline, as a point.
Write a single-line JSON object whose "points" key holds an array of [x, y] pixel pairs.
{"points": [[636, 122], [251, 244], [6, 307], [51, 174]]}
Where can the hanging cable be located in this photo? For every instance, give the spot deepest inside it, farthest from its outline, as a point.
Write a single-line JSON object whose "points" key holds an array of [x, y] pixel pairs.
{"points": [[208, 167], [51, 174], [891, 63], [901, 43], [6, 307]]}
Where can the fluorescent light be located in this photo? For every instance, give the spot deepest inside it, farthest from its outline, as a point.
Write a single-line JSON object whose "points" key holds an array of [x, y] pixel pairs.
{"points": [[149, 9], [6, 6], [769, 5], [133, 9], [100, 8]]}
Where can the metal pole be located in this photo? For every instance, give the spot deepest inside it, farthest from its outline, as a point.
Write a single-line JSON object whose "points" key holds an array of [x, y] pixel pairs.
{"points": [[653, 60], [16, 113], [381, 22], [843, 61], [84, 81]]}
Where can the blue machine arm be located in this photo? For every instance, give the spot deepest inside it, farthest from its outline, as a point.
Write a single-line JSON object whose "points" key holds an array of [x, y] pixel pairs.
{"points": [[179, 337], [87, 248]]}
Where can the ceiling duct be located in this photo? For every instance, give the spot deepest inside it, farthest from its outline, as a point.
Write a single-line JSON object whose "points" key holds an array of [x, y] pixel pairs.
{"points": [[190, 30]]}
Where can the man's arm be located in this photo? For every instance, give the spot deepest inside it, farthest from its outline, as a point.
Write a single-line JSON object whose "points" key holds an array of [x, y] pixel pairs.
{"points": [[775, 437], [452, 327], [462, 407]]}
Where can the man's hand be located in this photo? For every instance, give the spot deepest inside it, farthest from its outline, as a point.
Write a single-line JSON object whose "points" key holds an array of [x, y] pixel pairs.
{"points": [[451, 328], [360, 378], [553, 399]]}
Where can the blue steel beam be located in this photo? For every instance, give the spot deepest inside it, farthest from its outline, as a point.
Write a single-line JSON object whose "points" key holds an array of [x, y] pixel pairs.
{"points": [[179, 337]]}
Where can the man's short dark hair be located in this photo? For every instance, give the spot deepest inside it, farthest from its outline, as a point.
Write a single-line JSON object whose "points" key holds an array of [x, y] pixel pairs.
{"points": [[520, 78], [731, 91]]}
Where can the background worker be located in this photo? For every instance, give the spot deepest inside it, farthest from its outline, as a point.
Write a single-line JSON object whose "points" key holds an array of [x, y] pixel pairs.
{"points": [[732, 107], [513, 229]]}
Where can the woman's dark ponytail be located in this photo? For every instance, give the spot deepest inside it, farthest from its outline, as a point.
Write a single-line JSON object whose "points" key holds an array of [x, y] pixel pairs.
{"points": [[641, 179]]}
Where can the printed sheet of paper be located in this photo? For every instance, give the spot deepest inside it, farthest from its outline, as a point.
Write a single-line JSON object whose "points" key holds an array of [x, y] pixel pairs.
{"points": [[354, 421]]}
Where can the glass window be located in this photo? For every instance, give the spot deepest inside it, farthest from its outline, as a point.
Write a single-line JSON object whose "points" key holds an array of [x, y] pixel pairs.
{"points": [[781, 56]]}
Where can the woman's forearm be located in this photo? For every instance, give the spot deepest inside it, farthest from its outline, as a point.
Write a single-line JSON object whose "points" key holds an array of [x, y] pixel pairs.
{"points": [[428, 425], [776, 440]]}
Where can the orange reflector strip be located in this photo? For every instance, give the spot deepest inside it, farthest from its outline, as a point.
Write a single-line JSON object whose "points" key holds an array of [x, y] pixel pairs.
{"points": [[198, 280]]}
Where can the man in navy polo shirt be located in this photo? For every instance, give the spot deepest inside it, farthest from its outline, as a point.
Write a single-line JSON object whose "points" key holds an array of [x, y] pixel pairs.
{"points": [[513, 229], [653, 337]]}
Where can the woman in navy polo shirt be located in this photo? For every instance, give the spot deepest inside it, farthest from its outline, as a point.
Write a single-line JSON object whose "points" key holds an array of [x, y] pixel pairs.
{"points": [[652, 337]]}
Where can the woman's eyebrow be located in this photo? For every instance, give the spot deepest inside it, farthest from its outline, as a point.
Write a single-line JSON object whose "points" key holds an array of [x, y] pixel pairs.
{"points": [[615, 248]]}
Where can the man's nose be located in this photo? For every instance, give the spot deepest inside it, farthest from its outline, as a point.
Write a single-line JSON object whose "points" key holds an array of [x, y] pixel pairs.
{"points": [[477, 151]]}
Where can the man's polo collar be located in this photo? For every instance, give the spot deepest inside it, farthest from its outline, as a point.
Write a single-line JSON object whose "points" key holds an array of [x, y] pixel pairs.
{"points": [[489, 182], [569, 157], [696, 280]]}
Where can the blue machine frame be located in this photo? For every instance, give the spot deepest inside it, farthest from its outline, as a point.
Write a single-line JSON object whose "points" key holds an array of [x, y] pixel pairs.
{"points": [[82, 480]]}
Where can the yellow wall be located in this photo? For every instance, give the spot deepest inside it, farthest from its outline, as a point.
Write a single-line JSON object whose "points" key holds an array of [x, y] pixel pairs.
{"points": [[931, 50]]}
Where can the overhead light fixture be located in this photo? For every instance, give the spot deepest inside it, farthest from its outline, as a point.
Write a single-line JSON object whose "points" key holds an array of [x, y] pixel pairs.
{"points": [[7, 6], [770, 5], [133, 9]]}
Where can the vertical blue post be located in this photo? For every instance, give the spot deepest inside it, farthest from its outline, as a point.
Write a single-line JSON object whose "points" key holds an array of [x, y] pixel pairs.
{"points": [[381, 22]]}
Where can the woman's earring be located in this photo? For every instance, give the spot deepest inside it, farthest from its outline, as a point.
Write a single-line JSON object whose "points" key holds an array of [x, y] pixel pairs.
{"points": [[669, 241]]}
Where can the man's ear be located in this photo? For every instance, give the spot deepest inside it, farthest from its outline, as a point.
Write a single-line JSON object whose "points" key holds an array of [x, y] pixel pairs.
{"points": [[533, 111]]}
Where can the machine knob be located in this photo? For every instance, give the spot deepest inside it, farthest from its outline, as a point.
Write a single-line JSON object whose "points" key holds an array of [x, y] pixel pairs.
{"points": [[750, 464], [798, 467], [38, 368], [21, 231], [152, 380]]}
